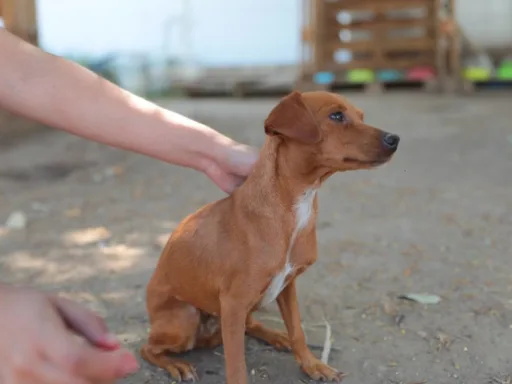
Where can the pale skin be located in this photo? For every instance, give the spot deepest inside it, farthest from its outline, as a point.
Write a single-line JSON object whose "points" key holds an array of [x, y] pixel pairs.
{"points": [[66, 96]]}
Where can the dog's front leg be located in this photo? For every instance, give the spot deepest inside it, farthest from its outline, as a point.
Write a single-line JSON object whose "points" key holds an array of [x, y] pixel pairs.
{"points": [[233, 336], [305, 249], [311, 365]]}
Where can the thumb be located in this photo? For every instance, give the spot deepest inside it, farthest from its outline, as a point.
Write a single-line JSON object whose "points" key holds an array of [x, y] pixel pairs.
{"points": [[223, 180], [85, 323]]}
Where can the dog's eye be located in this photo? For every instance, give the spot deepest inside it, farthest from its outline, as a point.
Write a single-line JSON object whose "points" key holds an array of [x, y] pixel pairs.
{"points": [[338, 116]]}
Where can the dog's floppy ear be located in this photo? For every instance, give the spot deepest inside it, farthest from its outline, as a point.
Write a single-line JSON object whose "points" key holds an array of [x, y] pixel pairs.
{"points": [[291, 118], [360, 113]]}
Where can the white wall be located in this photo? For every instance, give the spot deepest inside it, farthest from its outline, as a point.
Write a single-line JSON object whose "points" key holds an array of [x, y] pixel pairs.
{"points": [[223, 32], [486, 22]]}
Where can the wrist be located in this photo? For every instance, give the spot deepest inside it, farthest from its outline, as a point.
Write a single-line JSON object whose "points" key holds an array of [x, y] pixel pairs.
{"points": [[196, 145]]}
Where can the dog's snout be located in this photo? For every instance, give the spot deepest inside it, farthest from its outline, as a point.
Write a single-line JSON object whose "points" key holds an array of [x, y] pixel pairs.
{"points": [[390, 140]]}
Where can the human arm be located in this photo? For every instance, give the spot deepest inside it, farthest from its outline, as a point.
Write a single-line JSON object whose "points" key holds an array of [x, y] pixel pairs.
{"points": [[67, 96]]}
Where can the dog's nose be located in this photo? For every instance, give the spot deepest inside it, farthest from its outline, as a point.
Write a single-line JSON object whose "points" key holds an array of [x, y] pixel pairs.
{"points": [[390, 140]]}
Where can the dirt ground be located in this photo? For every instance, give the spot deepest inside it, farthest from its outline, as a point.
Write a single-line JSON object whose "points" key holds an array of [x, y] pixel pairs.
{"points": [[436, 220]]}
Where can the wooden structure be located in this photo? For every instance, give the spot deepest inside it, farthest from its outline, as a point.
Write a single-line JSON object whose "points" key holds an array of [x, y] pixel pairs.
{"points": [[20, 18], [340, 36]]}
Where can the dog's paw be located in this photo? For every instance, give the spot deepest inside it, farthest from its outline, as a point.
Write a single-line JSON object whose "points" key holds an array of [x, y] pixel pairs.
{"points": [[280, 341], [317, 370], [181, 371]]}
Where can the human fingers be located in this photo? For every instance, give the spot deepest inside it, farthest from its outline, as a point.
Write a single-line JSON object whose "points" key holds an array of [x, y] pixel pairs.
{"points": [[38, 372], [86, 323], [222, 179], [96, 365], [49, 374]]}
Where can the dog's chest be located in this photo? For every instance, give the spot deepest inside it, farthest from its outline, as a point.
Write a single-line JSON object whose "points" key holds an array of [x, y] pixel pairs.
{"points": [[303, 214]]}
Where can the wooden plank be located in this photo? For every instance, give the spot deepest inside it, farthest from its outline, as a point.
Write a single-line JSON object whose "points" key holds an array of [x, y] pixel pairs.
{"points": [[375, 6], [421, 43], [398, 64], [319, 47], [378, 23]]}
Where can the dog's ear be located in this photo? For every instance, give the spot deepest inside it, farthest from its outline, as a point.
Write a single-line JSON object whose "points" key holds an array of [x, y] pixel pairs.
{"points": [[291, 118], [360, 113]]}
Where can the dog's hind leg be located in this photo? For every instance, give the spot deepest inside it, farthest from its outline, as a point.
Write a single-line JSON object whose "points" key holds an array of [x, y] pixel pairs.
{"points": [[209, 334], [279, 340], [173, 330]]}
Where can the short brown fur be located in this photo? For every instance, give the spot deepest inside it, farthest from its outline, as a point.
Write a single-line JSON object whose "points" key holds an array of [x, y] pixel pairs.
{"points": [[220, 260]]}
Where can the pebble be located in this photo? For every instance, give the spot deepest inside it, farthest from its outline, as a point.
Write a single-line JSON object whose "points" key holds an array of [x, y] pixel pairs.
{"points": [[422, 334], [36, 206], [16, 220]]}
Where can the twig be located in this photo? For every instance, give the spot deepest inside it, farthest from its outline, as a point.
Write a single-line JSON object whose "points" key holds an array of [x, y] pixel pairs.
{"points": [[327, 343]]}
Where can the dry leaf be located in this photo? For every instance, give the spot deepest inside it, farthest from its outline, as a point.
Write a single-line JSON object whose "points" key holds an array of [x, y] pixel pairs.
{"points": [[444, 340], [422, 298]]}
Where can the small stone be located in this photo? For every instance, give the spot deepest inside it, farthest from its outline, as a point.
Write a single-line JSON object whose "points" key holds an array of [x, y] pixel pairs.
{"points": [[97, 178], [389, 306], [36, 206], [73, 212], [102, 244], [114, 171], [16, 220], [422, 334]]}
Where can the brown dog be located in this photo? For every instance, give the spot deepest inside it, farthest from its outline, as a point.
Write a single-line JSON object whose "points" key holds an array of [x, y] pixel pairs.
{"points": [[240, 253]]}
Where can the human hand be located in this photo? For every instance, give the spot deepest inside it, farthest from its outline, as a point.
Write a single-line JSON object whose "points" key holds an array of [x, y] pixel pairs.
{"points": [[38, 348], [231, 166], [85, 323]]}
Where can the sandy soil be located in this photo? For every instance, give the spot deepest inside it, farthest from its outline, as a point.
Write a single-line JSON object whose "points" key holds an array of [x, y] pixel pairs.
{"points": [[437, 219]]}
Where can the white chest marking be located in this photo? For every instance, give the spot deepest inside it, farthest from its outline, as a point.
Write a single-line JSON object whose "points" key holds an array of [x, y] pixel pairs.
{"points": [[303, 213]]}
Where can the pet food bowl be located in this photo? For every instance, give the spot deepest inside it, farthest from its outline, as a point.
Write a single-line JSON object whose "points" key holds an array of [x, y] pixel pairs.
{"points": [[361, 76]]}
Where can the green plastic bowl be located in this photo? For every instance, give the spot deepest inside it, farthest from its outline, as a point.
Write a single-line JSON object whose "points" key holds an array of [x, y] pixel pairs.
{"points": [[477, 74], [361, 76], [505, 71]]}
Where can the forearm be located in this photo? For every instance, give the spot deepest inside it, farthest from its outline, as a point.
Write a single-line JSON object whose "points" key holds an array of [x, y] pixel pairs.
{"points": [[64, 95]]}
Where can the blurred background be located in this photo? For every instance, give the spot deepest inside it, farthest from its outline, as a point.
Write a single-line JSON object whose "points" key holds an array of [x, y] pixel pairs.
{"points": [[414, 273], [159, 45]]}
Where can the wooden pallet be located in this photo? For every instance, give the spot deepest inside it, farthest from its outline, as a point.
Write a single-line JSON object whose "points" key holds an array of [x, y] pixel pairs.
{"points": [[20, 18], [379, 35]]}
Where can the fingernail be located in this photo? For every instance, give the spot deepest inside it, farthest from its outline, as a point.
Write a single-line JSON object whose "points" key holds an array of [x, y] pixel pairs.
{"points": [[111, 340]]}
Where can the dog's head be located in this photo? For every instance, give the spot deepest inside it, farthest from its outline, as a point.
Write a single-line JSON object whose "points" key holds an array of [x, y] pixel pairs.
{"points": [[331, 130]]}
